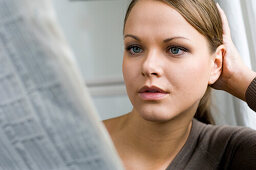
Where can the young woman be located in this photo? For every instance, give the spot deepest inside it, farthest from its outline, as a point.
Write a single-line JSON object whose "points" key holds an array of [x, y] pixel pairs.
{"points": [[175, 50]]}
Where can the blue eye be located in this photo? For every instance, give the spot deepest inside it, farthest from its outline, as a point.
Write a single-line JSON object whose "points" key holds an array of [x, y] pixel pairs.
{"points": [[134, 50], [177, 50]]}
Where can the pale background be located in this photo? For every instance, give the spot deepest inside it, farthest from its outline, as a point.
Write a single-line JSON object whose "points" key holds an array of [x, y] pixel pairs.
{"points": [[94, 31]]}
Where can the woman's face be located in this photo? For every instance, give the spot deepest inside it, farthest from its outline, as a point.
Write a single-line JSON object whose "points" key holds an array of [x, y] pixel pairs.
{"points": [[167, 63]]}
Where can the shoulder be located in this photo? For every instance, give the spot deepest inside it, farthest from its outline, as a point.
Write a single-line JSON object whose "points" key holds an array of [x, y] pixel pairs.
{"points": [[229, 146], [241, 150], [226, 135], [110, 123], [114, 124], [234, 134]]}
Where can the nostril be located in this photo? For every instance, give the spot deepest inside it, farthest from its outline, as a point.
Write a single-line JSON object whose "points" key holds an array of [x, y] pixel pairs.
{"points": [[148, 74]]}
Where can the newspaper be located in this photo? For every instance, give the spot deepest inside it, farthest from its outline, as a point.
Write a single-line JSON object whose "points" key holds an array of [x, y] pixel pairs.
{"points": [[47, 118]]}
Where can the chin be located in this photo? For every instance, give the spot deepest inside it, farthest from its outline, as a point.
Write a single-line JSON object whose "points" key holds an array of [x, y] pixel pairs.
{"points": [[156, 116], [155, 119]]}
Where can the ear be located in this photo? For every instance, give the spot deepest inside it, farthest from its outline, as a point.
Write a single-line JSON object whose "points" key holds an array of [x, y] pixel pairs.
{"points": [[216, 64]]}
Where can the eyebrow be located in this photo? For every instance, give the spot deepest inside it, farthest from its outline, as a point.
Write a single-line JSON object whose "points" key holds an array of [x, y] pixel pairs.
{"points": [[165, 41], [170, 39], [132, 36]]}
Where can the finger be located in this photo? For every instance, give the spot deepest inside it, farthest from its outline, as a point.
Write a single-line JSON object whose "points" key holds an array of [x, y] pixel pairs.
{"points": [[226, 29]]}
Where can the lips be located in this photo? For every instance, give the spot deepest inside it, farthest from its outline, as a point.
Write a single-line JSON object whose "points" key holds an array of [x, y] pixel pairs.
{"points": [[152, 93], [152, 89]]}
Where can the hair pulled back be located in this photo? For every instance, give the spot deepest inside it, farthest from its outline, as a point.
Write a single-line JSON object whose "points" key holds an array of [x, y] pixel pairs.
{"points": [[203, 15]]}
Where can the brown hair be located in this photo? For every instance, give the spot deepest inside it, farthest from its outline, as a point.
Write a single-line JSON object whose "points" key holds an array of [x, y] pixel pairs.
{"points": [[203, 15]]}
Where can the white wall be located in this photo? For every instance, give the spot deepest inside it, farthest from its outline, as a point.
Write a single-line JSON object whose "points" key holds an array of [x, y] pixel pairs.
{"points": [[94, 31]]}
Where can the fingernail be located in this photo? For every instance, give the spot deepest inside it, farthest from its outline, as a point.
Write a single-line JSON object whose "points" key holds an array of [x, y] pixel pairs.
{"points": [[218, 4]]}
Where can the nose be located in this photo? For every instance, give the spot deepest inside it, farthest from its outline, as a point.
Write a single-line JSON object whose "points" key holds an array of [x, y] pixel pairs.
{"points": [[152, 64]]}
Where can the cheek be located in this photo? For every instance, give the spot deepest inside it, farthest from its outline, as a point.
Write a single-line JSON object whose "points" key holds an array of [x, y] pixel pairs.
{"points": [[199, 72], [127, 71], [193, 78], [130, 72]]}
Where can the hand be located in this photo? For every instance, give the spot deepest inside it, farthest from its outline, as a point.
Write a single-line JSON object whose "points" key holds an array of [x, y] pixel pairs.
{"points": [[235, 76], [231, 58]]}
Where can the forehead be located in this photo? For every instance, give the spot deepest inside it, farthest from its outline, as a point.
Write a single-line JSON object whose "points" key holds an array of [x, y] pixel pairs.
{"points": [[156, 18]]}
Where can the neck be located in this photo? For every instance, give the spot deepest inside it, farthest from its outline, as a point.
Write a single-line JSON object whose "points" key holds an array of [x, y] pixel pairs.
{"points": [[156, 140]]}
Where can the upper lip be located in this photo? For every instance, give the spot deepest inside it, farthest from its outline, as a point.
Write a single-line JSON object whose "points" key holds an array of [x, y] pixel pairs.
{"points": [[153, 89]]}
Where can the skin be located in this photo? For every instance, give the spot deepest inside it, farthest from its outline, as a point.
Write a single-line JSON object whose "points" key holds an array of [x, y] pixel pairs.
{"points": [[152, 134]]}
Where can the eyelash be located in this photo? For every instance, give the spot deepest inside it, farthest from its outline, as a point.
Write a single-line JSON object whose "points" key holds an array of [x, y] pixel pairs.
{"points": [[168, 49], [184, 50], [132, 46]]}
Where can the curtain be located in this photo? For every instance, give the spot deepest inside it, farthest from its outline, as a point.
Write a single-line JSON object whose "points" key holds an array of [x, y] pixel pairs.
{"points": [[241, 15]]}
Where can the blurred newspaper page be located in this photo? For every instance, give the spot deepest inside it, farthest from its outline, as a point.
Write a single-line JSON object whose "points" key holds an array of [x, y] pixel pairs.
{"points": [[47, 118]]}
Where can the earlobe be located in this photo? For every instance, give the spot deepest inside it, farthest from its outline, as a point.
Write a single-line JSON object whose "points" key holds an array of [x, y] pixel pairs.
{"points": [[216, 65]]}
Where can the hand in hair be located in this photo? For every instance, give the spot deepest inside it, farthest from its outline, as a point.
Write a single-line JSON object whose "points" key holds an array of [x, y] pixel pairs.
{"points": [[235, 76]]}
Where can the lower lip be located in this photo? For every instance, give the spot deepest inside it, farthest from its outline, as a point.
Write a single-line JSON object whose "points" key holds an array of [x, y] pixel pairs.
{"points": [[152, 96]]}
